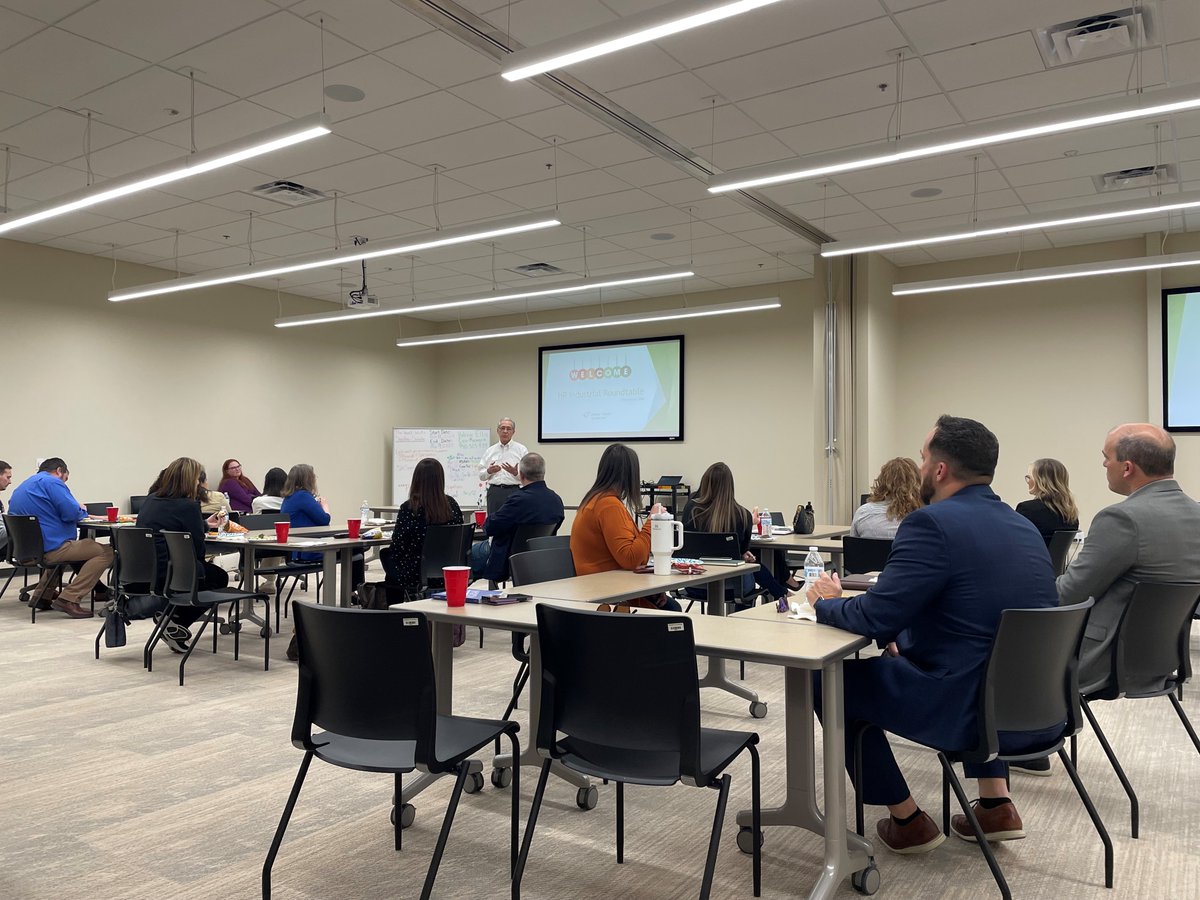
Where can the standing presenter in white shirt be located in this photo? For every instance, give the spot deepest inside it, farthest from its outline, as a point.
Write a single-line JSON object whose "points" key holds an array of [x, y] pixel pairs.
{"points": [[498, 468]]}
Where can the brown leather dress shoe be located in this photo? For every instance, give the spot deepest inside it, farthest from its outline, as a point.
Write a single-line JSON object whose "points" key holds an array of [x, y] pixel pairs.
{"points": [[919, 836], [999, 824], [71, 608]]}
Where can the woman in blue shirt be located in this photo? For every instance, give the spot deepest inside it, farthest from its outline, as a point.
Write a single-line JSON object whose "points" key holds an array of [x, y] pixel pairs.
{"points": [[306, 508]]}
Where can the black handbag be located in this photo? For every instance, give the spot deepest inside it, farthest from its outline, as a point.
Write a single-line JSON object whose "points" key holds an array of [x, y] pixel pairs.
{"points": [[805, 520]]}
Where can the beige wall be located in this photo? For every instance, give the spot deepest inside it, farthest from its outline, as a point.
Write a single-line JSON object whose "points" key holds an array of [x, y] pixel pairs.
{"points": [[119, 390], [748, 389]]}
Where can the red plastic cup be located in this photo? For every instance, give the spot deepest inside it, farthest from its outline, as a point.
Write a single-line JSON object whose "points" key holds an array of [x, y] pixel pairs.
{"points": [[480, 516], [456, 584], [353, 526], [281, 531], [112, 513]]}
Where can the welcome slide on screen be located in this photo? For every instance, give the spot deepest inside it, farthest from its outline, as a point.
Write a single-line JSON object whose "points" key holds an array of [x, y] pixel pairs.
{"points": [[618, 391], [1182, 362]]}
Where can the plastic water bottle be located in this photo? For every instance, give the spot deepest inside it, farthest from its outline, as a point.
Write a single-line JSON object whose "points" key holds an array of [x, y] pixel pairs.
{"points": [[814, 568], [764, 523], [364, 513]]}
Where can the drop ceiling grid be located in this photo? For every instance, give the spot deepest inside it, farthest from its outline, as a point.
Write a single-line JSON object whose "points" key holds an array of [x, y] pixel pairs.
{"points": [[496, 137]]}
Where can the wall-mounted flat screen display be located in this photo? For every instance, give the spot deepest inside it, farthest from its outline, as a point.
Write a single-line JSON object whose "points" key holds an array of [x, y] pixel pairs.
{"points": [[1181, 359], [611, 391]]}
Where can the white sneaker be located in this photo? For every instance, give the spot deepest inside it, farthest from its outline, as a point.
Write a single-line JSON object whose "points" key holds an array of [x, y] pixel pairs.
{"points": [[177, 637]]}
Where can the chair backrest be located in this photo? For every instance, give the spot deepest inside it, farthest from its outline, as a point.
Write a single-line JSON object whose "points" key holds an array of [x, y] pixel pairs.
{"points": [[625, 682], [523, 534], [1152, 639], [548, 542], [364, 673], [1031, 681], [24, 539], [136, 557], [534, 566], [711, 544], [135, 503], [97, 509], [262, 521], [181, 566], [445, 545], [864, 554], [1060, 548]]}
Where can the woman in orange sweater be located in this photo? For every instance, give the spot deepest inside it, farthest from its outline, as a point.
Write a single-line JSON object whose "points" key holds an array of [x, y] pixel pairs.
{"points": [[605, 534]]}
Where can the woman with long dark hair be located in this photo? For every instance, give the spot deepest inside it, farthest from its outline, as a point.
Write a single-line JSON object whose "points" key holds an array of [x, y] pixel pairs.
{"points": [[427, 504], [271, 497]]}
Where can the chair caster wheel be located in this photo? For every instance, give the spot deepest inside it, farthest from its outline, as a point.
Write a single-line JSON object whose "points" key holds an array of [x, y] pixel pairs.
{"points": [[474, 783], [502, 777], [264, 632], [758, 710], [230, 627], [745, 842], [408, 815], [587, 797], [867, 881]]}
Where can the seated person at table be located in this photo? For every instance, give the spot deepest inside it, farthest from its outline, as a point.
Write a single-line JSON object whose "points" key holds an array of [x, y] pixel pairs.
{"points": [[306, 508], [605, 536], [532, 504], [5, 481], [714, 509], [895, 493], [955, 566], [45, 494], [427, 504], [1053, 507], [172, 506], [211, 501], [271, 497], [237, 487]]}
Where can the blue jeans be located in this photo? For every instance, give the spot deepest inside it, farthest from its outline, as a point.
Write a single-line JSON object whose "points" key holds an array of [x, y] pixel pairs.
{"points": [[479, 557]]}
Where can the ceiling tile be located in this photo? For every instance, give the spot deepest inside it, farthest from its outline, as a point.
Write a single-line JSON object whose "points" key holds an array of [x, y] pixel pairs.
{"points": [[498, 139], [121, 233], [536, 22], [220, 126], [412, 194], [535, 168], [441, 59], [79, 66], [631, 66], [433, 115], [645, 172], [361, 174], [666, 97], [156, 29], [560, 121], [607, 150], [752, 150], [193, 217], [15, 27], [868, 127], [505, 99], [46, 10], [290, 161], [143, 101], [995, 60], [132, 156], [940, 26], [382, 82], [15, 109], [371, 24], [57, 136]]}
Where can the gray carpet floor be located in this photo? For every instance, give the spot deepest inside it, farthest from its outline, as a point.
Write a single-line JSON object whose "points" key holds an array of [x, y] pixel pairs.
{"points": [[118, 783]]}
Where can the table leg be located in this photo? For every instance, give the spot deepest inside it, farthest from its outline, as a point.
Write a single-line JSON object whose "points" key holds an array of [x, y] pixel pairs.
{"points": [[346, 558], [329, 581], [529, 754], [799, 806], [715, 677], [247, 613]]}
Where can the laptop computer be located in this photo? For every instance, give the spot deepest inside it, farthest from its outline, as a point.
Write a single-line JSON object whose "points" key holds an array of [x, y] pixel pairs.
{"points": [[669, 480]]}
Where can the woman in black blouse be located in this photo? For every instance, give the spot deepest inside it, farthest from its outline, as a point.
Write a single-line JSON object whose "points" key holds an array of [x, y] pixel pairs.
{"points": [[427, 504], [1053, 507]]}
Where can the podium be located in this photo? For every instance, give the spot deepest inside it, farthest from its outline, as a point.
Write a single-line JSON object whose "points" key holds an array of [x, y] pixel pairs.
{"points": [[668, 494]]}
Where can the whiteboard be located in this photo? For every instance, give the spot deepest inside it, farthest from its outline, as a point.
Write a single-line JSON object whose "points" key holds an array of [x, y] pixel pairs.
{"points": [[457, 449]]}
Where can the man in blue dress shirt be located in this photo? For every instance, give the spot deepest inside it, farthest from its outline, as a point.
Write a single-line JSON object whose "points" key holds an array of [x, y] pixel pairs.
{"points": [[955, 565], [45, 494]]}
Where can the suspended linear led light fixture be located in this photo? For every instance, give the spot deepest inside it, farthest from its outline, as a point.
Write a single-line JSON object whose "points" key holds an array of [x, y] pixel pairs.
{"points": [[430, 241], [1060, 219], [573, 287], [628, 31], [1081, 270], [1017, 128], [272, 139], [665, 315]]}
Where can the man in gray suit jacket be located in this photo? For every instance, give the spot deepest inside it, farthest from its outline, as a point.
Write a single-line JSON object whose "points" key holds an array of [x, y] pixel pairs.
{"points": [[1153, 535]]}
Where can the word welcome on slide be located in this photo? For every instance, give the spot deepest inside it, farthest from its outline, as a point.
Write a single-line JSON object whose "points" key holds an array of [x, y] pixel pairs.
{"points": [[619, 390]]}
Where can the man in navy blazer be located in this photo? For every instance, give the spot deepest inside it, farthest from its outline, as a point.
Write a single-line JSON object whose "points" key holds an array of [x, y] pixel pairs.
{"points": [[955, 565], [533, 504]]}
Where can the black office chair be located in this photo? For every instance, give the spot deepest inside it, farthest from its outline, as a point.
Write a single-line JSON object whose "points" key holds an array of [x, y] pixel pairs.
{"points": [[652, 737], [1030, 685], [98, 509], [25, 549], [1150, 659], [548, 542], [14, 568], [279, 564], [341, 650], [445, 545], [532, 567], [135, 573], [1060, 549], [716, 545], [861, 555], [182, 589], [135, 503]]}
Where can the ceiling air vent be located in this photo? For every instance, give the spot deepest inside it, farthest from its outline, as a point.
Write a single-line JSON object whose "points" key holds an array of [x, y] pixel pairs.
{"points": [[1103, 34], [537, 270], [1137, 177], [288, 193]]}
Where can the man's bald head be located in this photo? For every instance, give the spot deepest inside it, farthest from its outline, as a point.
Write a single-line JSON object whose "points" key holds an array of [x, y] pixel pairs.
{"points": [[1136, 454]]}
